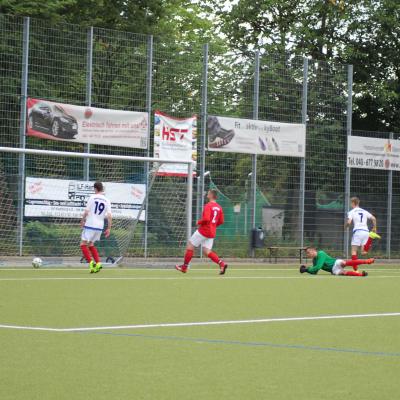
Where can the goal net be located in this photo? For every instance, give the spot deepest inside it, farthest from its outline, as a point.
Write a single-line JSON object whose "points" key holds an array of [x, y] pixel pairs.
{"points": [[43, 195]]}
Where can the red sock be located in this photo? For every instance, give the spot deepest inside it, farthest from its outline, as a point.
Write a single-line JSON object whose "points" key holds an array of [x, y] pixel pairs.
{"points": [[95, 254], [86, 253], [214, 257], [354, 257], [354, 263], [368, 245], [188, 257], [353, 273]]}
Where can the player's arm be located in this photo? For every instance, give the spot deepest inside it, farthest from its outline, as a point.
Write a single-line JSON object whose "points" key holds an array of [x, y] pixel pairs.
{"points": [[221, 219], [319, 264], [206, 217], [85, 213], [348, 221], [373, 219], [109, 221]]}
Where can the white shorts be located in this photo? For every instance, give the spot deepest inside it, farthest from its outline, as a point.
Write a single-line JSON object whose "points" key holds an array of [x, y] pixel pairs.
{"points": [[90, 235], [198, 239], [359, 238], [338, 267]]}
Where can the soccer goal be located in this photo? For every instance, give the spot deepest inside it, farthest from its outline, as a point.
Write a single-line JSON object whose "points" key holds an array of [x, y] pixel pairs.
{"points": [[43, 195]]}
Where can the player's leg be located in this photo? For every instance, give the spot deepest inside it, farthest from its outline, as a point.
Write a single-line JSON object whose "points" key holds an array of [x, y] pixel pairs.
{"points": [[338, 269], [85, 241], [356, 263], [357, 242], [96, 235], [213, 256], [194, 242]]}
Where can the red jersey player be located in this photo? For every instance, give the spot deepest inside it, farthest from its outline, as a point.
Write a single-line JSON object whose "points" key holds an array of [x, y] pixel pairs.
{"points": [[212, 217]]}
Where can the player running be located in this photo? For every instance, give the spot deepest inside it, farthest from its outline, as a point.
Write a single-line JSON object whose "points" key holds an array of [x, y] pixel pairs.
{"points": [[98, 208], [335, 266], [362, 237], [213, 216]]}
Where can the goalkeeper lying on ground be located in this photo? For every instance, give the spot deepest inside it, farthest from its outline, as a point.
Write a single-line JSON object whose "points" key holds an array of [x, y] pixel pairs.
{"points": [[335, 266]]}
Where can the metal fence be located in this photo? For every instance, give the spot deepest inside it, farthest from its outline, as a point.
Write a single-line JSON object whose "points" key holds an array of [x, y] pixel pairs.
{"points": [[297, 201]]}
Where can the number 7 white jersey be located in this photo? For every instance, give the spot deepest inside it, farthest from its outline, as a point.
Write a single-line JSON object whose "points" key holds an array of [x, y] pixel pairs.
{"points": [[360, 219], [98, 208]]}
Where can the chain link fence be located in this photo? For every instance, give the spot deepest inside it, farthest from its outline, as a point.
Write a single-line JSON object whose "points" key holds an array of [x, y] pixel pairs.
{"points": [[296, 201]]}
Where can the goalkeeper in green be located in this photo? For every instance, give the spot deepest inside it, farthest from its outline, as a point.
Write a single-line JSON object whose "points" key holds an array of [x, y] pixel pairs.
{"points": [[335, 266]]}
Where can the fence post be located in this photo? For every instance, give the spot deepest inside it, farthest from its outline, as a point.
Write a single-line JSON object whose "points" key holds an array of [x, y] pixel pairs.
{"points": [[256, 101], [203, 144], [149, 87], [304, 101], [389, 210], [189, 202], [349, 120], [89, 76], [22, 128]]}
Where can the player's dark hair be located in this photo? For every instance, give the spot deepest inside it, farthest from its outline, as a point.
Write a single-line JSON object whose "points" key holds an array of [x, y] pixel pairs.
{"points": [[355, 200], [99, 186], [214, 193]]}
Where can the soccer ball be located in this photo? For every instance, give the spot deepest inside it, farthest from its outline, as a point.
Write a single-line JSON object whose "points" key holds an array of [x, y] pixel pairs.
{"points": [[36, 262]]}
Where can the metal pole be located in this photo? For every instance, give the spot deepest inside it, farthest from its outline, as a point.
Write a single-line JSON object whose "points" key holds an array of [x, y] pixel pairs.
{"points": [[22, 138], [389, 210], [304, 101], [149, 84], [203, 135], [189, 201], [349, 120], [89, 76], [256, 98]]}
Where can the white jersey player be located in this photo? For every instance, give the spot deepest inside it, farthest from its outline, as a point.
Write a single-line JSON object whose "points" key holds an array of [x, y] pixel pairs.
{"points": [[362, 237], [98, 208]]}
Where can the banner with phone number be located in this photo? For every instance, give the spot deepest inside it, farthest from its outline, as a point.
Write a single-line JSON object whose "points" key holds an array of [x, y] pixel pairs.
{"points": [[373, 153]]}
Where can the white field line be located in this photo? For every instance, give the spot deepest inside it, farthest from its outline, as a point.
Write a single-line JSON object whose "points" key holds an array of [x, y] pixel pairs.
{"points": [[205, 323], [194, 269], [195, 278]]}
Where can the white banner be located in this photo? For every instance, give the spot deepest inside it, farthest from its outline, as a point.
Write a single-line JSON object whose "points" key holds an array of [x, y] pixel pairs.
{"points": [[60, 198], [56, 121], [174, 139], [238, 135], [373, 153]]}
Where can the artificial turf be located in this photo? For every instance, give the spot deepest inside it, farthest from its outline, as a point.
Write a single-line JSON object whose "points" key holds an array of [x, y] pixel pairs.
{"points": [[356, 358]]}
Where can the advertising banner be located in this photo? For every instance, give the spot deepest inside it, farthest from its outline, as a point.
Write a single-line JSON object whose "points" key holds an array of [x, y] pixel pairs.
{"points": [[174, 139], [56, 121], [61, 198], [236, 135], [373, 153]]}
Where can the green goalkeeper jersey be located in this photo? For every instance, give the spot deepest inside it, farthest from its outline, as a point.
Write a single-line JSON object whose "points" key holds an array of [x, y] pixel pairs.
{"points": [[322, 261]]}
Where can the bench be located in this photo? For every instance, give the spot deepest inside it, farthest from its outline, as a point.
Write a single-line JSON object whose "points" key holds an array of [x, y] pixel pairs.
{"points": [[274, 250]]}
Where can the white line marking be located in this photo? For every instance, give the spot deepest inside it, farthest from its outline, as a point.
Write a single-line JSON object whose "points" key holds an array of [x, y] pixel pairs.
{"points": [[196, 278], [205, 323]]}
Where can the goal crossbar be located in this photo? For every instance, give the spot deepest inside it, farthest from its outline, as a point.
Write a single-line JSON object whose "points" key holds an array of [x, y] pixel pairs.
{"points": [[54, 153]]}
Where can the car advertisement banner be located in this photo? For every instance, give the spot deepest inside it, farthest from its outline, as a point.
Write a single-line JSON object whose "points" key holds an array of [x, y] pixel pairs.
{"points": [[174, 139], [57, 121], [236, 135], [373, 153], [61, 198]]}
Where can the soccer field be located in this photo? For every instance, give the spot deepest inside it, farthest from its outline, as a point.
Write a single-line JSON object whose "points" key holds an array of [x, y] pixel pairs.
{"points": [[152, 335]]}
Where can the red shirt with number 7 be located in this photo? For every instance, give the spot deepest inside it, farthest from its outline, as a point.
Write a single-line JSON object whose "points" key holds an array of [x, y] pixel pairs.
{"points": [[213, 216]]}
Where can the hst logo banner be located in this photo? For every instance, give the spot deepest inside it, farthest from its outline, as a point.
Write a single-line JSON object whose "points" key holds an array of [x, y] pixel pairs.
{"points": [[57, 121], [174, 139]]}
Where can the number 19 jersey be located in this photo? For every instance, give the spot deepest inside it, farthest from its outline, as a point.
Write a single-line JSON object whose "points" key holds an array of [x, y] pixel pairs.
{"points": [[98, 207]]}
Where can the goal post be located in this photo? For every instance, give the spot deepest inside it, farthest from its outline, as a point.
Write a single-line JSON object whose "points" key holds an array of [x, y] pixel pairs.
{"points": [[41, 205]]}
